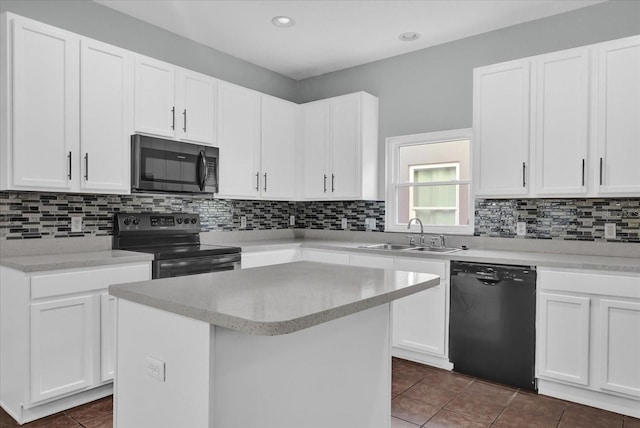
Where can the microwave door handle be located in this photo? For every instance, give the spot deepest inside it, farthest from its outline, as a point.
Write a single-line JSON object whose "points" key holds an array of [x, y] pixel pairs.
{"points": [[202, 170]]}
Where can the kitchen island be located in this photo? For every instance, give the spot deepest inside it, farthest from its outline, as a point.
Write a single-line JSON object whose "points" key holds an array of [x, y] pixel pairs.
{"points": [[295, 345]]}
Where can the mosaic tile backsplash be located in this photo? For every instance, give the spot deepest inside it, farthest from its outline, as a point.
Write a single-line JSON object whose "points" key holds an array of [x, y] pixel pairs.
{"points": [[25, 215]]}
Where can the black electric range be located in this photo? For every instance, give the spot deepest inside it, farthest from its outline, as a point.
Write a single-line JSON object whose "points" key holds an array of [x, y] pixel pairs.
{"points": [[174, 240]]}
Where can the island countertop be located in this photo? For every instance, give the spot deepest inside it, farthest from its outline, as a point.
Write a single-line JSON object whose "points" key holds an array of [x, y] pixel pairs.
{"points": [[278, 299]]}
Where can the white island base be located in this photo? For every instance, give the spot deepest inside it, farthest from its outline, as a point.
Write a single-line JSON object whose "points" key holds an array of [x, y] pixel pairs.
{"points": [[332, 375]]}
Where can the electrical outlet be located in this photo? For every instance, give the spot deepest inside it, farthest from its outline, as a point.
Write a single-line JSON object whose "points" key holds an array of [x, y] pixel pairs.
{"points": [[609, 231], [521, 228], [76, 223], [344, 223], [155, 368], [243, 222], [292, 220], [370, 223]]}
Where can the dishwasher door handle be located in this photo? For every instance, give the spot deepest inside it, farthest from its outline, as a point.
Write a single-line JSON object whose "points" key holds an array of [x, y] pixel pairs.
{"points": [[489, 282]]}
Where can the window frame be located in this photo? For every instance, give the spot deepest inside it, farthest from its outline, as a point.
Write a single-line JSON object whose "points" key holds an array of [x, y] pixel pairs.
{"points": [[392, 185]]}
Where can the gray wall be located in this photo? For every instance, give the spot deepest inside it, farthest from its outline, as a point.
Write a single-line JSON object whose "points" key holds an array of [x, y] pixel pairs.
{"points": [[102, 23], [431, 89]]}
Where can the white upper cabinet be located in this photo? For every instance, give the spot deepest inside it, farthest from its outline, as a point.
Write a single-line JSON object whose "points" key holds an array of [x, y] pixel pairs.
{"points": [[257, 144], [106, 98], [40, 92], [341, 148], [316, 149], [66, 111], [617, 120], [561, 120], [197, 116], [501, 102], [278, 161], [575, 115], [155, 109], [239, 140], [173, 102]]}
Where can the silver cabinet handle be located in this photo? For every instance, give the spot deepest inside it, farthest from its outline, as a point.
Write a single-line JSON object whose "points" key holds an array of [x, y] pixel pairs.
{"points": [[86, 166], [524, 174], [333, 182], [173, 118], [184, 113], [583, 172], [601, 171], [325, 183], [257, 181], [265, 181], [69, 157]]}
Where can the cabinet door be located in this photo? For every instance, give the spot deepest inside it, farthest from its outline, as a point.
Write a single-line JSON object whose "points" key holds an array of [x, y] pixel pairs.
{"points": [[618, 110], [197, 107], [45, 94], [316, 150], [239, 140], [563, 338], [62, 334], [561, 122], [253, 259], [420, 321], [322, 256], [620, 347], [106, 108], [501, 97], [346, 143], [107, 337], [155, 109], [278, 148], [380, 262]]}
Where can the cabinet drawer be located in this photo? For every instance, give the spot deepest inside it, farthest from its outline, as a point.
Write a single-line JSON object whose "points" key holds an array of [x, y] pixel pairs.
{"points": [[326, 256], [424, 266], [381, 262], [590, 282], [77, 281]]}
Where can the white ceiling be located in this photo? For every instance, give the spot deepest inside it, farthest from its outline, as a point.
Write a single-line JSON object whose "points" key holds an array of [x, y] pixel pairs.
{"points": [[332, 35]]}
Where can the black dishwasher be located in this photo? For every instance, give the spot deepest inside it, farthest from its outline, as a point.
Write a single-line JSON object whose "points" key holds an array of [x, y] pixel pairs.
{"points": [[492, 322]]}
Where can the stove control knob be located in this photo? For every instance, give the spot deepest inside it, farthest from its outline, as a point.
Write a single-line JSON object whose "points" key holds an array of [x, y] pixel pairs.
{"points": [[179, 220], [127, 221], [194, 220], [136, 221]]}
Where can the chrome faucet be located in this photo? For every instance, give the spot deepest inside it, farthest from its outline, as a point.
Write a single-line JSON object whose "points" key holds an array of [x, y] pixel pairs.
{"points": [[421, 230]]}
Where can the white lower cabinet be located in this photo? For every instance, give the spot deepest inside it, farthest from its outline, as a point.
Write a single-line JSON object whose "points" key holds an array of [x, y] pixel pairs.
{"points": [[325, 256], [588, 339], [61, 346], [419, 322], [60, 349], [107, 337]]}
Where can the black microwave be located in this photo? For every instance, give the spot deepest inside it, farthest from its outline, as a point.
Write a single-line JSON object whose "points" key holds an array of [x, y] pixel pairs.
{"points": [[160, 165]]}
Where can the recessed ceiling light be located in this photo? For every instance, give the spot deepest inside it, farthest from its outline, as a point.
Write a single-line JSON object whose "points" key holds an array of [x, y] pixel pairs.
{"points": [[283, 21], [409, 36]]}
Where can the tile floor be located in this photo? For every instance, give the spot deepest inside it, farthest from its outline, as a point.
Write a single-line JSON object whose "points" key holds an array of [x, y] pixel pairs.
{"points": [[421, 396], [97, 414]]}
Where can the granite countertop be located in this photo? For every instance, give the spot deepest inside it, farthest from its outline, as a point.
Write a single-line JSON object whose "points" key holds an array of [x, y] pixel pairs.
{"points": [[539, 259], [44, 262], [279, 299]]}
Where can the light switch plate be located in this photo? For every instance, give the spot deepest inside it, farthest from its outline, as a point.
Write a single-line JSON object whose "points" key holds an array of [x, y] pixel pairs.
{"points": [[609, 231], [76, 223], [155, 368], [344, 224], [521, 228], [243, 222], [292, 220]]}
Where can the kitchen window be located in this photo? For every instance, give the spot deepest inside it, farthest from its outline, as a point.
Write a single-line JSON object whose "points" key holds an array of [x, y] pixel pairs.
{"points": [[429, 177]]}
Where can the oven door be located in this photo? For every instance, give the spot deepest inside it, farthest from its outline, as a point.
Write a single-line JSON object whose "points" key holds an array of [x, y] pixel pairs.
{"points": [[172, 166], [194, 265]]}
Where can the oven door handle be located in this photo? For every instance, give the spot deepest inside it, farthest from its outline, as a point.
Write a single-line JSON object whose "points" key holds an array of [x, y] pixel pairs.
{"points": [[202, 170], [222, 261]]}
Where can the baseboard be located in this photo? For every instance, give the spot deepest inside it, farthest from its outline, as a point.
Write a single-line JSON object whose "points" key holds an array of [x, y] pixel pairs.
{"points": [[418, 357]]}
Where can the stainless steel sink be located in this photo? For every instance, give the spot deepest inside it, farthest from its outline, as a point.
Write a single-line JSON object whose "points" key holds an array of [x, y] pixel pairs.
{"points": [[434, 249], [389, 247]]}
